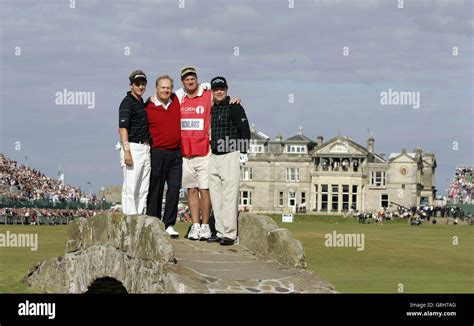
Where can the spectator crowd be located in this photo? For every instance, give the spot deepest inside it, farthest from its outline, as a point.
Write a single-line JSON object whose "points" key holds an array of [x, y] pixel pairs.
{"points": [[33, 214], [460, 189], [415, 214], [18, 182]]}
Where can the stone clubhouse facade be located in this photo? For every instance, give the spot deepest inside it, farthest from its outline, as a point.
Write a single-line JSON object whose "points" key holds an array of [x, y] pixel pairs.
{"points": [[333, 176]]}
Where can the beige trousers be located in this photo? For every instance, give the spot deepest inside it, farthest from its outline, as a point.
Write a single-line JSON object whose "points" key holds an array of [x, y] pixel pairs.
{"points": [[224, 183]]}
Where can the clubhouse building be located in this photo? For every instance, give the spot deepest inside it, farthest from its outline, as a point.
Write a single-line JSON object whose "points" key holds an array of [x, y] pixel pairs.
{"points": [[333, 176]]}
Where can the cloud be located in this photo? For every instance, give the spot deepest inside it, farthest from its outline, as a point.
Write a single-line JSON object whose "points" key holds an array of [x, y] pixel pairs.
{"points": [[281, 51]]}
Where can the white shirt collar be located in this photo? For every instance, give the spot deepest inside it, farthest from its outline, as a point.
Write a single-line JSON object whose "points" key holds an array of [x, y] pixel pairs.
{"points": [[157, 102]]}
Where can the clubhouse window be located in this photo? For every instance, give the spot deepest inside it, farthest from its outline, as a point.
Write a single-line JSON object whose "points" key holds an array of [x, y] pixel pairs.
{"points": [[377, 179], [293, 174], [280, 199], [245, 173], [296, 149], [324, 197], [384, 200], [246, 198]]}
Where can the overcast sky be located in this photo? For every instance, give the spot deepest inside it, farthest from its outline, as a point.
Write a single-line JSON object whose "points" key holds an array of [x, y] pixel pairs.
{"points": [[265, 49]]}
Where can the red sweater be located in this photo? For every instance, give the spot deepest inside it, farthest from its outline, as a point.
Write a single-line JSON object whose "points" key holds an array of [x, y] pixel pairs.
{"points": [[164, 124]]}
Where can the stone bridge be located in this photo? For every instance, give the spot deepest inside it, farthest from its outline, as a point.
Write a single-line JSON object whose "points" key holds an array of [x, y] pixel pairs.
{"points": [[135, 254]]}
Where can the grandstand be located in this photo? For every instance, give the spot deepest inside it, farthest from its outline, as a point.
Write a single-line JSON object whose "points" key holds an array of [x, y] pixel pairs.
{"points": [[461, 187], [28, 196], [20, 182]]}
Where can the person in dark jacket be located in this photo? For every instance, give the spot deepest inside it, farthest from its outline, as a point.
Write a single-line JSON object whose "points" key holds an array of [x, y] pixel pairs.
{"points": [[135, 146], [230, 137]]}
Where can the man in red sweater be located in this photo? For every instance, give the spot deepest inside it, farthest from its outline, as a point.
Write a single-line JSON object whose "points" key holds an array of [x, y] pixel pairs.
{"points": [[164, 120]]}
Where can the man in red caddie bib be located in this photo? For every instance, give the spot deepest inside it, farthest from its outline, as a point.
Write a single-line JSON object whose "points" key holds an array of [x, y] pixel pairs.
{"points": [[195, 124]]}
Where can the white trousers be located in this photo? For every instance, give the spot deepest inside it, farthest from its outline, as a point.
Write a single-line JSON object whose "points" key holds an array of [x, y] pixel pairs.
{"points": [[136, 179]]}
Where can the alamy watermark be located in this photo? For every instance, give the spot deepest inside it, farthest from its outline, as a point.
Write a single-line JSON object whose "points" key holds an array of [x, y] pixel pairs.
{"points": [[66, 97], [228, 145], [345, 240], [37, 309], [391, 97], [15, 240]]}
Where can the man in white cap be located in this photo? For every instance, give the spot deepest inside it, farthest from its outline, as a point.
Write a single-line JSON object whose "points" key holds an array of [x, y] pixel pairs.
{"points": [[196, 102], [195, 123], [135, 146]]}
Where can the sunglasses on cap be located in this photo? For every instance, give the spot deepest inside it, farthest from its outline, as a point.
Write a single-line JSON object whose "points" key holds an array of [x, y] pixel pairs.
{"points": [[140, 82]]}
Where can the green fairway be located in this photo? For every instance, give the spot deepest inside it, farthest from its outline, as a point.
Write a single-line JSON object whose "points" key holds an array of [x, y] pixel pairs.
{"points": [[422, 259], [15, 262]]}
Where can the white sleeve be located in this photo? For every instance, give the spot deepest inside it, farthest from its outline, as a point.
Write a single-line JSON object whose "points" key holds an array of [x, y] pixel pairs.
{"points": [[180, 94], [206, 86]]}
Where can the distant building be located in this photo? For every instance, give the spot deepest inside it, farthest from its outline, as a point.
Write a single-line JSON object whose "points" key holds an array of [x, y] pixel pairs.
{"points": [[332, 176]]}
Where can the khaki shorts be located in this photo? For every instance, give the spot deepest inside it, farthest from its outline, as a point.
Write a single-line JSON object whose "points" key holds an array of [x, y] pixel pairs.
{"points": [[196, 172]]}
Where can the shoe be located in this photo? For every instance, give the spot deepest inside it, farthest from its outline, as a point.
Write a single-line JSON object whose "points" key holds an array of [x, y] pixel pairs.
{"points": [[214, 238], [172, 232], [205, 232], [227, 242], [194, 232]]}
